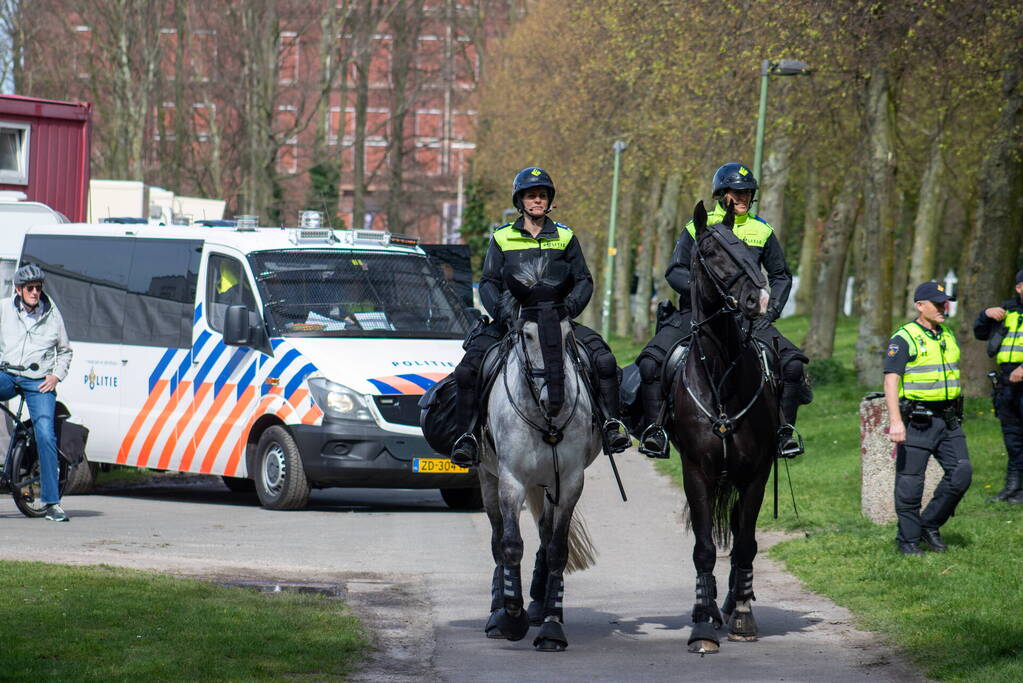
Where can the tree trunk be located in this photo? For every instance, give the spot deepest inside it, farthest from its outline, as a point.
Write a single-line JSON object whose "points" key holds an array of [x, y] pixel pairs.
{"points": [[667, 233], [645, 262], [879, 229], [405, 22], [988, 268], [927, 226], [623, 261], [365, 26], [830, 285], [902, 244], [774, 180], [812, 229]]}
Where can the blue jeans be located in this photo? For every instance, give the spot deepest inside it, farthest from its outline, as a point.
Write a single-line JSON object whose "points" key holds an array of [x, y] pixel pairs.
{"points": [[40, 408]]}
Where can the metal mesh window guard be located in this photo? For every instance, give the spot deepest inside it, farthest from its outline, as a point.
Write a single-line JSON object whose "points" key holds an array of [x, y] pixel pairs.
{"points": [[363, 294]]}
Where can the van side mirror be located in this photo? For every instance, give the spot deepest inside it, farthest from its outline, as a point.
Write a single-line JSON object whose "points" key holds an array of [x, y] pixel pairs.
{"points": [[237, 330]]}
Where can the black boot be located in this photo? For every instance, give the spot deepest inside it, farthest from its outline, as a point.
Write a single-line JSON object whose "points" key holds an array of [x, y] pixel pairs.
{"points": [[1012, 486], [466, 452], [616, 436], [790, 443], [653, 442]]}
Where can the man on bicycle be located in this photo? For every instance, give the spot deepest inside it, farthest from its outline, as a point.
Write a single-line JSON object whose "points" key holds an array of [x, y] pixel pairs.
{"points": [[33, 337]]}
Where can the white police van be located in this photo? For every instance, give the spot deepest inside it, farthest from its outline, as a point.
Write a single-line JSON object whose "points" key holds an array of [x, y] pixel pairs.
{"points": [[291, 357]]}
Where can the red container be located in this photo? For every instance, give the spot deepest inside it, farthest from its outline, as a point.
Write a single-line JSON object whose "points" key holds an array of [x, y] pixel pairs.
{"points": [[54, 169]]}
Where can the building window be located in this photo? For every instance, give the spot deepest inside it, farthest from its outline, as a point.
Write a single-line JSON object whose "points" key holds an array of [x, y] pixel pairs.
{"points": [[14, 140]]}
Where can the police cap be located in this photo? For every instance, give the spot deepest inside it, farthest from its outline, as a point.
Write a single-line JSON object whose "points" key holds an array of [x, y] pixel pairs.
{"points": [[932, 291]]}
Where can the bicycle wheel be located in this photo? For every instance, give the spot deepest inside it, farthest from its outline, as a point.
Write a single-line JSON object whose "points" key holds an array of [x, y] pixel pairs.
{"points": [[26, 486]]}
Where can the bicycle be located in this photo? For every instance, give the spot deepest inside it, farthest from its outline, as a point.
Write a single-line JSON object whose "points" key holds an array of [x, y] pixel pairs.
{"points": [[20, 474]]}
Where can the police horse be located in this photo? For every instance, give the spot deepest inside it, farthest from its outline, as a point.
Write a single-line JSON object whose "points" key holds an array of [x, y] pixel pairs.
{"points": [[724, 420], [539, 436]]}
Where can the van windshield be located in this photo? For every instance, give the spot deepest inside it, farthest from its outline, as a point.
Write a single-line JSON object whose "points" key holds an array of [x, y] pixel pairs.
{"points": [[356, 294]]}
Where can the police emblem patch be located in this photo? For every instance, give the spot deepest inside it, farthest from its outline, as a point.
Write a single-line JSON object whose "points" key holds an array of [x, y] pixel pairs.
{"points": [[743, 170], [535, 171], [892, 350]]}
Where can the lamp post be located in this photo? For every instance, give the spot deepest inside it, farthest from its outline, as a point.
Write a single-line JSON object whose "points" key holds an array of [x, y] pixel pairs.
{"points": [[605, 315], [783, 67]]}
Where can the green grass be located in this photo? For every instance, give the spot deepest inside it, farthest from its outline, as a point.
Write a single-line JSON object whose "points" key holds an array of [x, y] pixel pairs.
{"points": [[951, 613], [102, 623]]}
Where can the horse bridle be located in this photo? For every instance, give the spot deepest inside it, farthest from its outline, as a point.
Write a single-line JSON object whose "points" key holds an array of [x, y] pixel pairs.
{"points": [[724, 424]]}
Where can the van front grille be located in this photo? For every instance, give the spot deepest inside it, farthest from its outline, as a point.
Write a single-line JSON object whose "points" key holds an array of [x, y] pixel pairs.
{"points": [[402, 410]]}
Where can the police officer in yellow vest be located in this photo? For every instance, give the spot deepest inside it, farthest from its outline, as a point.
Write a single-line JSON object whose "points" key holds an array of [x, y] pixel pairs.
{"points": [[922, 392], [1002, 328], [732, 184], [534, 235]]}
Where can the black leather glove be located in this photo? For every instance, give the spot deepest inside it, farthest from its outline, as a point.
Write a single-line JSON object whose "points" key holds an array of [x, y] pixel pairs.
{"points": [[764, 321]]}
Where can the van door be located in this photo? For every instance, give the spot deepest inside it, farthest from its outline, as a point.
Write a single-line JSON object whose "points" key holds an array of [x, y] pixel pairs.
{"points": [[156, 351], [87, 277], [224, 390]]}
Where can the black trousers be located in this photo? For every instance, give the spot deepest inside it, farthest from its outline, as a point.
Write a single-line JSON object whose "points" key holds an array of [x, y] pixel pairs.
{"points": [[948, 446], [1008, 401]]}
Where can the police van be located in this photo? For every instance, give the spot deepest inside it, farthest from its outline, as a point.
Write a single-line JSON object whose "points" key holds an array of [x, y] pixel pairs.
{"points": [[291, 358]]}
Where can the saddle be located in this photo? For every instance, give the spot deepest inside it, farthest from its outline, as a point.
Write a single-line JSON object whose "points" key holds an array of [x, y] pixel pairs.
{"points": [[678, 354]]}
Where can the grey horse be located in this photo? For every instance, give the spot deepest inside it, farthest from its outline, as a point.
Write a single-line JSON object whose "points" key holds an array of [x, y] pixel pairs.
{"points": [[535, 453]]}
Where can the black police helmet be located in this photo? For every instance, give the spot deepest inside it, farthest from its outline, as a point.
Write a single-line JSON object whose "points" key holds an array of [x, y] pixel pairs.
{"points": [[734, 176], [528, 178]]}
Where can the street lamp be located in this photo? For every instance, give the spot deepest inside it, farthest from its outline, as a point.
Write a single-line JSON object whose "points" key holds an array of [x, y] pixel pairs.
{"points": [[783, 67], [605, 317]]}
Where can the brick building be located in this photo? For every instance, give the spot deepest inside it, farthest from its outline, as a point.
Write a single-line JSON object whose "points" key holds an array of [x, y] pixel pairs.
{"points": [[194, 72]]}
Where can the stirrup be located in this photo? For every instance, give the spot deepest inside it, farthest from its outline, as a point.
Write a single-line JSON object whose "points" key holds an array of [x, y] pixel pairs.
{"points": [[653, 432], [473, 459], [607, 434], [790, 442]]}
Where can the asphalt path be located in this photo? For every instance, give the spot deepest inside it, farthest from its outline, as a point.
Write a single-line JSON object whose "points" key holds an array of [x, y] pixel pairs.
{"points": [[419, 575]]}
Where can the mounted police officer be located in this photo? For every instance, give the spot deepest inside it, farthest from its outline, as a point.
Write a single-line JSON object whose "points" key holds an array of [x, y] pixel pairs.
{"points": [[925, 411], [733, 184], [534, 235], [1002, 327]]}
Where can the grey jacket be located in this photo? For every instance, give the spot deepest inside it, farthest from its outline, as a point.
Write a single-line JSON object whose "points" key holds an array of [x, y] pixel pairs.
{"points": [[44, 342]]}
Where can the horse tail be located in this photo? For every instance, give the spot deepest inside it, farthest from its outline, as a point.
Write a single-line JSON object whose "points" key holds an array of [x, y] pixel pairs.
{"points": [[723, 499], [581, 552]]}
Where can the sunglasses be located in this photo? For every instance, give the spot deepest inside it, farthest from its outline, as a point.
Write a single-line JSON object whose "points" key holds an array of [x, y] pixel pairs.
{"points": [[32, 288], [941, 306]]}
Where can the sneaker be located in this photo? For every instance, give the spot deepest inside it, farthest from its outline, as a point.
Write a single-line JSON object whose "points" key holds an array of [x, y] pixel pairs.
{"points": [[55, 513]]}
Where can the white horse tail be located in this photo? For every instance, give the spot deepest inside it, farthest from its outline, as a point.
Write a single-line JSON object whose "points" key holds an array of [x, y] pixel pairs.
{"points": [[581, 552]]}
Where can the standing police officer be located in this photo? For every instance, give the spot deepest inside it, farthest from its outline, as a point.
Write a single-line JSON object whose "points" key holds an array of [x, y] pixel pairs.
{"points": [[733, 184], [534, 235], [1002, 327], [922, 392]]}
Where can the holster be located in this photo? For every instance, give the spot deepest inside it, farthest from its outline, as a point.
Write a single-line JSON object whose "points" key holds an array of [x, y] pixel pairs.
{"points": [[916, 413], [477, 330]]}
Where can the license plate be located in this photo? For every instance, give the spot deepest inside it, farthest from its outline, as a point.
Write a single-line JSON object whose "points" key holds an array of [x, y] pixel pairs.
{"points": [[437, 466]]}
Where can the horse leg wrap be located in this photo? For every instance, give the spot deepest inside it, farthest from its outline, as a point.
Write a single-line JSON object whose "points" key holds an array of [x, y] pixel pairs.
{"points": [[741, 586], [741, 625], [511, 622], [552, 606], [538, 589], [496, 595], [706, 608]]}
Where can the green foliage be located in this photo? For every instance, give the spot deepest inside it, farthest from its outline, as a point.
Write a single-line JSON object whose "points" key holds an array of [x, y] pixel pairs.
{"points": [[476, 226], [325, 191], [102, 624], [829, 371]]}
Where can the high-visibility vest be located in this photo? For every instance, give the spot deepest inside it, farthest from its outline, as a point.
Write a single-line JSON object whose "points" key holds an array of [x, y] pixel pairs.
{"points": [[932, 374], [1011, 350], [753, 230], [508, 238]]}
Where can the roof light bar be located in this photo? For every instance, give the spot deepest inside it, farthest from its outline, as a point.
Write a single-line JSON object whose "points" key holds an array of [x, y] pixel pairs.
{"points": [[404, 240], [246, 223]]}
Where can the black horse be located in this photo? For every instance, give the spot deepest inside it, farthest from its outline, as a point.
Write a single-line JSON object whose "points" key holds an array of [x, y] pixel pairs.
{"points": [[724, 422]]}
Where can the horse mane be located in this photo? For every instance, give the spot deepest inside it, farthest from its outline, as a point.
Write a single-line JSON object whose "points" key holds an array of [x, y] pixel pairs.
{"points": [[530, 273]]}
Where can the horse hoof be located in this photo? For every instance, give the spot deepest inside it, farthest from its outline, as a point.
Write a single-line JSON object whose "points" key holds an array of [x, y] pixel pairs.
{"points": [[535, 612], [493, 629], [551, 637], [742, 627], [704, 640], [507, 625]]}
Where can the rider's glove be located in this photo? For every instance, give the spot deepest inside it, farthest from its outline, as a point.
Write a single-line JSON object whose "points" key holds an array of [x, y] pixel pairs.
{"points": [[764, 321]]}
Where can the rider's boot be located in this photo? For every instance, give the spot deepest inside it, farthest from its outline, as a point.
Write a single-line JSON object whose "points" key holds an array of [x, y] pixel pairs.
{"points": [[466, 451], [654, 441], [790, 443], [614, 432]]}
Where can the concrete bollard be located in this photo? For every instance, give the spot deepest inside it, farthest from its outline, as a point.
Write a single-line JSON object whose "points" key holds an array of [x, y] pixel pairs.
{"points": [[877, 464]]}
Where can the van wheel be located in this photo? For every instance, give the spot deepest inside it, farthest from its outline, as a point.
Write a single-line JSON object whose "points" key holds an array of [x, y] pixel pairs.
{"points": [[463, 499], [239, 484], [81, 478], [280, 478]]}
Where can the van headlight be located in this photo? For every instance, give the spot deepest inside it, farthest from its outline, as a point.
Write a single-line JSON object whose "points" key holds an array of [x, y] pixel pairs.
{"points": [[337, 400]]}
